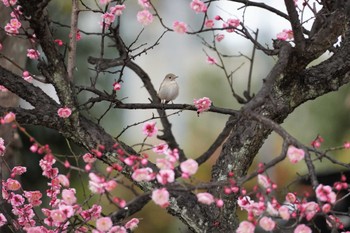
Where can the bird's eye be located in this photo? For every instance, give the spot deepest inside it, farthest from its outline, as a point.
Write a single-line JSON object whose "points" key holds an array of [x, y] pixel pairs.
{"points": [[169, 77]]}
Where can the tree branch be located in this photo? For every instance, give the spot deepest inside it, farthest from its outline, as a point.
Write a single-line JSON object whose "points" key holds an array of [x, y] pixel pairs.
{"points": [[218, 141], [296, 26], [27, 91], [72, 52]]}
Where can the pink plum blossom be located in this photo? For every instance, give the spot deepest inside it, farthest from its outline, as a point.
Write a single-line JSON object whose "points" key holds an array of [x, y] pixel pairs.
{"points": [[58, 42], [117, 86], [310, 209], [104, 2], [189, 167], [324, 193], [68, 195], [118, 229], [302, 228], [285, 35], [67, 209], [326, 208], [294, 154], [33, 54], [143, 174], [9, 117], [89, 158], [211, 60], [284, 212], [231, 24], [219, 37], [209, 23], [17, 11], [164, 164], [144, 3], [110, 185], [0, 46], [244, 202], [64, 112], [16, 200], [13, 26], [132, 224], [198, 6], [108, 18], [58, 216], [3, 89], [77, 35], [26, 76], [166, 176], [8, 3], [104, 224], [202, 104], [291, 198], [96, 183], [12, 184], [317, 142], [149, 129], [219, 203], [17, 170], [245, 227], [217, 17], [117, 9], [267, 223], [33, 197], [180, 27], [2, 147], [263, 181], [205, 198], [346, 145], [161, 197], [144, 17], [3, 220], [161, 148], [63, 180], [172, 155], [93, 213]]}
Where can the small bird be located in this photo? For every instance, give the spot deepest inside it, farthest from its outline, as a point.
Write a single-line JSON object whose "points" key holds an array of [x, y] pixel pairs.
{"points": [[168, 90]]}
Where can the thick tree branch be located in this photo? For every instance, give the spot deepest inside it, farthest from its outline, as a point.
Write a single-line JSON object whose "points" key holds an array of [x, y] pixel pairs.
{"points": [[55, 70], [27, 91], [296, 26], [218, 141]]}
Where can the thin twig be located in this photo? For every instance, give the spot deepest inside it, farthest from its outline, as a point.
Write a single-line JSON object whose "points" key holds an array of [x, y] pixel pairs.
{"points": [[251, 67]]}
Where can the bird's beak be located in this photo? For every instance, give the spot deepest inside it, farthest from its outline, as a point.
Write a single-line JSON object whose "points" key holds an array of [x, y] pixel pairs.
{"points": [[176, 76]]}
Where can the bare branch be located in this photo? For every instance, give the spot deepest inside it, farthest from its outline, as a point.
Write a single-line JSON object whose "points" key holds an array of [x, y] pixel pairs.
{"points": [[73, 40], [296, 26]]}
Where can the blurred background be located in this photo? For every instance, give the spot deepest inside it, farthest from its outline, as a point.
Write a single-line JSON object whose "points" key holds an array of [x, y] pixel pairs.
{"points": [[185, 56]]}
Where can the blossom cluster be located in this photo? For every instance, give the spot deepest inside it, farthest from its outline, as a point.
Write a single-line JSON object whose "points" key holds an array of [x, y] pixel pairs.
{"points": [[109, 17], [285, 35], [12, 28], [267, 212], [63, 202]]}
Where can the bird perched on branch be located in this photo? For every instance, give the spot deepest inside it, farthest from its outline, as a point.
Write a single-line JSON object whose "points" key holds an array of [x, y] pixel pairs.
{"points": [[168, 90]]}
